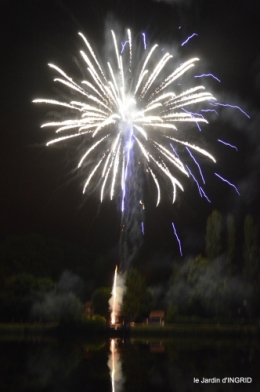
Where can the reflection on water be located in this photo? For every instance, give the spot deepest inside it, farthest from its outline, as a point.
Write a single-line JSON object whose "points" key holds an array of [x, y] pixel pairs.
{"points": [[115, 366], [128, 366]]}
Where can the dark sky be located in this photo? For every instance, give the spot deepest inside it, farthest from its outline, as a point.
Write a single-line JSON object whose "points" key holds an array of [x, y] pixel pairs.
{"points": [[40, 191]]}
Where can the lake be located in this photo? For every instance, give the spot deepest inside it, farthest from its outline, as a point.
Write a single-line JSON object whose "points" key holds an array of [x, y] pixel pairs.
{"points": [[117, 365]]}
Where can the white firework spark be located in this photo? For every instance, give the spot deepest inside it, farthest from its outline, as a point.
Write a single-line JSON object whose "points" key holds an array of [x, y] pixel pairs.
{"points": [[125, 107]]}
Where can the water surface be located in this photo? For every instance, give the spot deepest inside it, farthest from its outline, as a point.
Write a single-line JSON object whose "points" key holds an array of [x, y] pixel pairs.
{"points": [[50, 365]]}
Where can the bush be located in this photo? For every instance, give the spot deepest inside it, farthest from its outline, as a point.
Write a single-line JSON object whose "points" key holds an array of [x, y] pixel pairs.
{"points": [[84, 324]]}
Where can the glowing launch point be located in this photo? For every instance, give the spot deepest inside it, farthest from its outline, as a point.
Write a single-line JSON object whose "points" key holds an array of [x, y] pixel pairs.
{"points": [[113, 313]]}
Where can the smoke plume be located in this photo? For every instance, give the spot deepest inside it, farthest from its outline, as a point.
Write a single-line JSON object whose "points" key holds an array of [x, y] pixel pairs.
{"points": [[116, 299]]}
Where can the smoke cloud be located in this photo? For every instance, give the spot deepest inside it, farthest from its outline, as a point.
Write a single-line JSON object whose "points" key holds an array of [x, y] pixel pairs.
{"points": [[70, 283], [204, 290], [61, 303], [249, 185]]}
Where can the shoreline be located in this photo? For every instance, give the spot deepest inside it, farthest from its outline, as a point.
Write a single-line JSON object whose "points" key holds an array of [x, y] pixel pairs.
{"points": [[168, 330]]}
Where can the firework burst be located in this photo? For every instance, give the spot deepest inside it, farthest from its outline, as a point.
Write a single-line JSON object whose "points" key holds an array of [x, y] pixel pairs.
{"points": [[128, 106]]}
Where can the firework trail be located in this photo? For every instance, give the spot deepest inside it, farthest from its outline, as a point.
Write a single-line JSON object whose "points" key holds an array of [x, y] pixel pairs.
{"points": [[207, 75], [116, 299], [228, 144], [232, 107], [209, 110], [228, 182], [204, 194], [187, 40], [199, 189], [144, 40], [142, 227], [202, 177], [177, 237]]}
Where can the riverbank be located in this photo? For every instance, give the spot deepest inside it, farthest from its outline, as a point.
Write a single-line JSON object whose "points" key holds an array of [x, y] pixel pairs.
{"points": [[197, 329], [25, 329], [201, 329]]}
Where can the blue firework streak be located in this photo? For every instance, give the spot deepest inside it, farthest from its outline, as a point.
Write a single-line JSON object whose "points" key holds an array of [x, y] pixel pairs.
{"points": [[177, 237], [187, 40]]}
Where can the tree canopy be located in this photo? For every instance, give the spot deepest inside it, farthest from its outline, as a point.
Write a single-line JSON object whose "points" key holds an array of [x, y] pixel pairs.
{"points": [[136, 295], [214, 229]]}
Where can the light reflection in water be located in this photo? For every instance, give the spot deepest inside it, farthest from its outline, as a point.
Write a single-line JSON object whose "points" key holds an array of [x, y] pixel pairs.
{"points": [[115, 366]]}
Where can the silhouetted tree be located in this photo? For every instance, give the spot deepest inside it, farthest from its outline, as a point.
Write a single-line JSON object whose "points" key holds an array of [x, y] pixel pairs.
{"points": [[100, 298], [251, 250], [18, 294], [214, 229], [136, 295], [231, 236]]}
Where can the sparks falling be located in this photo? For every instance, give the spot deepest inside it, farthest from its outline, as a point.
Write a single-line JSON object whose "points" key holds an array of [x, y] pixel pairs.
{"points": [[228, 182], [178, 239], [207, 75], [228, 144], [232, 107], [129, 108], [187, 40]]}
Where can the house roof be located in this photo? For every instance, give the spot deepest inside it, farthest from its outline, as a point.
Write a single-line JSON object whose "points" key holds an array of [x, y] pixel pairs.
{"points": [[157, 313]]}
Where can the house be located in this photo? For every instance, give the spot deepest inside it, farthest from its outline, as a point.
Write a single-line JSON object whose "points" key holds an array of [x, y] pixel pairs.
{"points": [[156, 317]]}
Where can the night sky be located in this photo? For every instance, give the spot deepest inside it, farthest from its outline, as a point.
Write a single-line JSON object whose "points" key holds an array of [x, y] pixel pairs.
{"points": [[41, 192]]}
